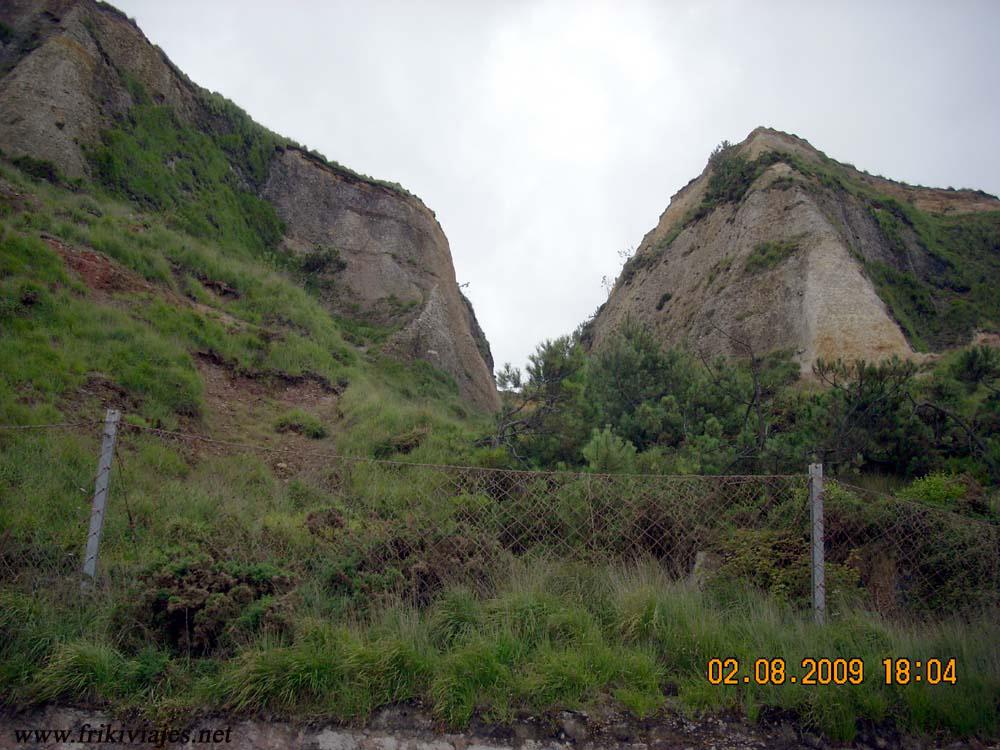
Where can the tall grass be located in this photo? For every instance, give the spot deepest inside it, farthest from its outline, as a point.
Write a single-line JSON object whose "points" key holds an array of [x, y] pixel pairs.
{"points": [[549, 637]]}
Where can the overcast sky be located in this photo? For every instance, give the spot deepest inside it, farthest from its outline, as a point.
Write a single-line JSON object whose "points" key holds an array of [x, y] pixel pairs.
{"points": [[549, 136]]}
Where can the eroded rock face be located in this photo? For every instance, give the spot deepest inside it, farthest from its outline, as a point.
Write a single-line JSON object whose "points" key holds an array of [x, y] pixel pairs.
{"points": [[64, 86], [395, 266], [698, 290], [65, 72]]}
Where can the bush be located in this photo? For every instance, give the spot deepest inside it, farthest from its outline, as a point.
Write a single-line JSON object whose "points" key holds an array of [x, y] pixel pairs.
{"points": [[323, 260], [936, 488]]}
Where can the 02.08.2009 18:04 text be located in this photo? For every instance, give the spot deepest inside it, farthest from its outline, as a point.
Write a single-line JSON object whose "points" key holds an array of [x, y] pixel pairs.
{"points": [[825, 671]]}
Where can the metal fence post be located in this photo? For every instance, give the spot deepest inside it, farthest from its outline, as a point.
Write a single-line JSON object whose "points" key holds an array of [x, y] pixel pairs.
{"points": [[816, 513], [100, 496]]}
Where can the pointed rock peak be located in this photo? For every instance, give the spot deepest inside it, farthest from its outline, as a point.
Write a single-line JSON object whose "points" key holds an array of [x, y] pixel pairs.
{"points": [[763, 139], [786, 249]]}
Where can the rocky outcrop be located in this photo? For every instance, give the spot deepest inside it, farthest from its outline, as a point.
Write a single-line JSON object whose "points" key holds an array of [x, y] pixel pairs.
{"points": [[71, 68], [393, 265], [694, 282], [64, 83]]}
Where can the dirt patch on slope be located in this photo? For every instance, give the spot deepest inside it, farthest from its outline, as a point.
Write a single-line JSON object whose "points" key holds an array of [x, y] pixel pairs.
{"points": [[241, 408], [97, 270], [107, 277]]}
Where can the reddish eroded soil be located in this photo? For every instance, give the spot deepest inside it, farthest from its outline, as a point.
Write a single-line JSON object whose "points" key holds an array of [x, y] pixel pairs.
{"points": [[239, 407], [99, 272], [106, 277]]}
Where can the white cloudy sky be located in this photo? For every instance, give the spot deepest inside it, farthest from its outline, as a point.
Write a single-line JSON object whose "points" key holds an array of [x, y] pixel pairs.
{"points": [[548, 136]]}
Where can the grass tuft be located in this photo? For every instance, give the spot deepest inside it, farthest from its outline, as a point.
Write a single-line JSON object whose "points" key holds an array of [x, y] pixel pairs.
{"points": [[302, 422]]}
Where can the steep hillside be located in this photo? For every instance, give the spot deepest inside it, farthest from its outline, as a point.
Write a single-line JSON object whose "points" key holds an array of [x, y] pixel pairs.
{"points": [[86, 97], [777, 247]]}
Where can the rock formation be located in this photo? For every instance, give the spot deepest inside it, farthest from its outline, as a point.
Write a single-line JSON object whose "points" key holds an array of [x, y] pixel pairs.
{"points": [[780, 262], [397, 266], [71, 69]]}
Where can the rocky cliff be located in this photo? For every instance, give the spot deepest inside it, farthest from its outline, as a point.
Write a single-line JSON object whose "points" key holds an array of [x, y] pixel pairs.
{"points": [[775, 246], [394, 265], [75, 72]]}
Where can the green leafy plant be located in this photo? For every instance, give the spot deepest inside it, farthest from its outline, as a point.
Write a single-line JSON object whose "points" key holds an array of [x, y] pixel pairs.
{"points": [[936, 488], [322, 260]]}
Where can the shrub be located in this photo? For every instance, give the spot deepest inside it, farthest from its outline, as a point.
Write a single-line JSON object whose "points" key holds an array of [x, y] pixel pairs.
{"points": [[404, 442], [732, 174], [323, 260], [936, 488], [778, 562], [196, 604]]}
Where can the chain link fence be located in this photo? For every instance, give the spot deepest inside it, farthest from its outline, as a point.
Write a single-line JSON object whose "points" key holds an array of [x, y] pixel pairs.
{"points": [[909, 558], [408, 529]]}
